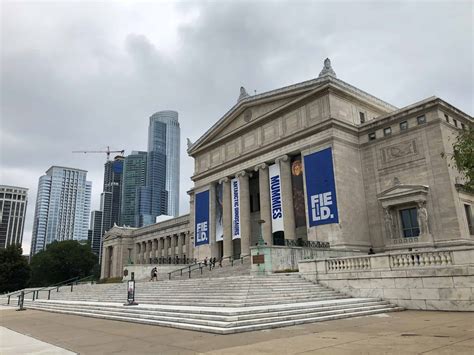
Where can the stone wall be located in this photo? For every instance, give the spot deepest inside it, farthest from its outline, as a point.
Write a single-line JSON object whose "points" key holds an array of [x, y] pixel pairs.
{"points": [[432, 280], [280, 258]]}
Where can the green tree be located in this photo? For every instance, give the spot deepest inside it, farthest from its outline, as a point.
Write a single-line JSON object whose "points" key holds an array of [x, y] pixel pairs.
{"points": [[463, 157], [15, 272], [62, 261]]}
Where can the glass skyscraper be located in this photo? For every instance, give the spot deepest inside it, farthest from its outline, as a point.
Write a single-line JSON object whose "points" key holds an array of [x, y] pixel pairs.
{"points": [[134, 177], [62, 207], [13, 202], [160, 196]]}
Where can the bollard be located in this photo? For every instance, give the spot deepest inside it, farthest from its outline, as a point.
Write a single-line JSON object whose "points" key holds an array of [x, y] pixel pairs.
{"points": [[21, 299], [8, 299], [169, 275], [181, 272], [49, 294], [57, 289], [33, 297], [72, 284], [200, 267]]}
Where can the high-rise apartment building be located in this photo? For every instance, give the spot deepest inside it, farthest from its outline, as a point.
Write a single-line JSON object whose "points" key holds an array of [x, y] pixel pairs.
{"points": [[161, 194], [134, 177], [13, 202], [62, 207]]}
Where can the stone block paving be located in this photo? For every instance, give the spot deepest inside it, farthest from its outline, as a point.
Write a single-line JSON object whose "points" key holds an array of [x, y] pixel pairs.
{"points": [[409, 332]]}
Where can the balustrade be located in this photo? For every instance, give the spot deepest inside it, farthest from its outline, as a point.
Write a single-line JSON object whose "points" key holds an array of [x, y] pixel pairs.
{"points": [[421, 259], [348, 264]]}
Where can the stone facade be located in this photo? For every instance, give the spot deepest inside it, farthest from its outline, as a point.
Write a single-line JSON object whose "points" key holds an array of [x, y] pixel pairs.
{"points": [[387, 161], [163, 243], [393, 189]]}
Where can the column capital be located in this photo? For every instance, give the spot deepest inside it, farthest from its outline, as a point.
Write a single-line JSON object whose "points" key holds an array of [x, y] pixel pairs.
{"points": [[282, 158], [224, 179], [243, 173], [261, 166]]}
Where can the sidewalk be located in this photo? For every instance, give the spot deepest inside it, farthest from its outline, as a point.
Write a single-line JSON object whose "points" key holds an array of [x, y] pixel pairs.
{"points": [[407, 332]]}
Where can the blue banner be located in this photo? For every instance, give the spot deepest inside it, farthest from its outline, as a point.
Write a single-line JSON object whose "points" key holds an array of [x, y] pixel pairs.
{"points": [[201, 212], [320, 188]]}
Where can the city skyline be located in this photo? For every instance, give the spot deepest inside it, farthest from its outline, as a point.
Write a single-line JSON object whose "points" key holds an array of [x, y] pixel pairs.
{"points": [[13, 206], [102, 89]]}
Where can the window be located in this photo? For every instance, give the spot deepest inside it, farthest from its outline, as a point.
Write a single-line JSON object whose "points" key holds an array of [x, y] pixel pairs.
{"points": [[362, 117], [403, 126], [421, 119], [463, 126], [467, 208], [371, 136], [410, 227], [455, 122], [446, 117], [387, 131]]}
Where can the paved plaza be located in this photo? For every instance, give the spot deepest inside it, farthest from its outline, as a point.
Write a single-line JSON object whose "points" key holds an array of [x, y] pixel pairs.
{"points": [[408, 332]]}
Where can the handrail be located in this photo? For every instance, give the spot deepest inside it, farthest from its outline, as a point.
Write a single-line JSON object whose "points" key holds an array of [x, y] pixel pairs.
{"points": [[21, 294], [198, 264]]}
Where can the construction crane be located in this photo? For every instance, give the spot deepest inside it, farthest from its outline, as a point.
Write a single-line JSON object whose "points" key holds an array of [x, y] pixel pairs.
{"points": [[108, 151]]}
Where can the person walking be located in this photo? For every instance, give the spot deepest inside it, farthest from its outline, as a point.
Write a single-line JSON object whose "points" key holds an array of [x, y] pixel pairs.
{"points": [[154, 274]]}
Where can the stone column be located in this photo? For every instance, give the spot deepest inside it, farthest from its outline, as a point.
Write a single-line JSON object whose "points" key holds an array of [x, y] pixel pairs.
{"points": [[150, 251], [105, 263], [143, 255], [173, 247], [165, 247], [212, 219], [227, 217], [244, 212], [137, 253], [154, 248], [180, 246], [160, 247], [287, 197], [265, 214]]}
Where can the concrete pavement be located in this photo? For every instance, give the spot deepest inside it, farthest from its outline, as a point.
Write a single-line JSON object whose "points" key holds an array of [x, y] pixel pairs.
{"points": [[408, 332]]}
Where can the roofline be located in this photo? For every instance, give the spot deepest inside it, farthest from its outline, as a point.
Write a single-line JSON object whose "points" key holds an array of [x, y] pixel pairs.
{"points": [[65, 167], [15, 187], [287, 89]]}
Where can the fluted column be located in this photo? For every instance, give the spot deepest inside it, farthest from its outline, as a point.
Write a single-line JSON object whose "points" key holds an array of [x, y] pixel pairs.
{"points": [[165, 247], [244, 212], [265, 214], [160, 248], [227, 217], [137, 253], [173, 247], [155, 248], [180, 246], [144, 251], [287, 197]]}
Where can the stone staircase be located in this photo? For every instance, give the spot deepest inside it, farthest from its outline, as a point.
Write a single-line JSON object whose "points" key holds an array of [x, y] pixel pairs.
{"points": [[217, 305], [239, 268]]}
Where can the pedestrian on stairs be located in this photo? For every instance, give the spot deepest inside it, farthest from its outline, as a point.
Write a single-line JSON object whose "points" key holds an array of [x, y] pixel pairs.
{"points": [[154, 274]]}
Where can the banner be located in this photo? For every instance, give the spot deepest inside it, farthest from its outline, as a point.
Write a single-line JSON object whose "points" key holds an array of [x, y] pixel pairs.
{"points": [[235, 193], [201, 212], [320, 188], [275, 198], [219, 213], [298, 191]]}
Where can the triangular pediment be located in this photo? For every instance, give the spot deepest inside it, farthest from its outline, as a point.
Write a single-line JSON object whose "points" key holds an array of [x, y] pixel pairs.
{"points": [[403, 190]]}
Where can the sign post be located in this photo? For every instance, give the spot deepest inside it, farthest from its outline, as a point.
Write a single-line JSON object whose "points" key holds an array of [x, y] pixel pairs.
{"points": [[131, 293]]}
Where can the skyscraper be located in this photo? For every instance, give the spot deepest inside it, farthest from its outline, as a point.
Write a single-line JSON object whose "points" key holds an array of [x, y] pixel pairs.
{"points": [[96, 232], [134, 177], [62, 207], [161, 194], [111, 198], [13, 202]]}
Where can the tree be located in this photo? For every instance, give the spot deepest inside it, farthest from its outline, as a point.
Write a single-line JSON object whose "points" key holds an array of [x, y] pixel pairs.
{"points": [[15, 272], [62, 261], [463, 157]]}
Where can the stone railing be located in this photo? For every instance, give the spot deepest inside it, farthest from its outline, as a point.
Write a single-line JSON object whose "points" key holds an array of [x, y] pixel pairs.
{"points": [[421, 259], [348, 264]]}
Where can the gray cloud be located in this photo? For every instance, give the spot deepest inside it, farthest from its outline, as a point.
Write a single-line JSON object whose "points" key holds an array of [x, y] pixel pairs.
{"points": [[87, 75]]}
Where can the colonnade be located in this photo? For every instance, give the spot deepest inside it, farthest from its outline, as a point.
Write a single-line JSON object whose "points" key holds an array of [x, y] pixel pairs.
{"points": [[265, 206], [171, 249]]}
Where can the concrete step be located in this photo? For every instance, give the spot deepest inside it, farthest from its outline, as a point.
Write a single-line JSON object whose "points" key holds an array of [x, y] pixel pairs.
{"points": [[226, 324]]}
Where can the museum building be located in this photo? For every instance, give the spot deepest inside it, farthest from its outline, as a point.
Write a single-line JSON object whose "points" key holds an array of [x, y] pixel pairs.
{"points": [[317, 165]]}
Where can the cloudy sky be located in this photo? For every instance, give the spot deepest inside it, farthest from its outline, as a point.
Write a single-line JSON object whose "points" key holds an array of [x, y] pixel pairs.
{"points": [[86, 74]]}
